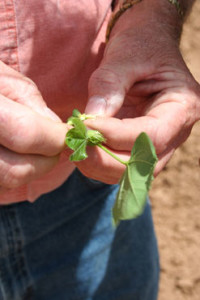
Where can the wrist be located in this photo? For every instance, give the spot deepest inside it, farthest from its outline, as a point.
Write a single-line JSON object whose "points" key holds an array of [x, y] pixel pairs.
{"points": [[168, 13], [177, 8], [185, 5]]}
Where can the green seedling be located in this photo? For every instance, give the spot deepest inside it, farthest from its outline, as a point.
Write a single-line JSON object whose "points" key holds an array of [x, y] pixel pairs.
{"points": [[138, 175]]}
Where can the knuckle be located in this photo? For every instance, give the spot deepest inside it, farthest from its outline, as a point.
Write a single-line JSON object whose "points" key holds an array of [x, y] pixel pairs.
{"points": [[191, 102], [26, 129], [105, 76], [27, 89], [18, 131], [30, 86], [17, 176]]}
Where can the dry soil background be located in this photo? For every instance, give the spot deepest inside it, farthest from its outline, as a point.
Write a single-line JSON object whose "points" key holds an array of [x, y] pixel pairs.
{"points": [[176, 197]]}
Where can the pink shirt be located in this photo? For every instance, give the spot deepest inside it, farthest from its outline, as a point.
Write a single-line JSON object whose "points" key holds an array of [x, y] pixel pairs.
{"points": [[57, 44]]}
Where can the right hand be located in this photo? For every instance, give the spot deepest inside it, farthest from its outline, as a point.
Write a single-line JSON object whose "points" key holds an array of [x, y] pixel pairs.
{"points": [[31, 135]]}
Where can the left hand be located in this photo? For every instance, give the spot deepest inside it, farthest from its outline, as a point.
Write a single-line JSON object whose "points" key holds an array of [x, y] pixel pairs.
{"points": [[145, 85], [31, 135]]}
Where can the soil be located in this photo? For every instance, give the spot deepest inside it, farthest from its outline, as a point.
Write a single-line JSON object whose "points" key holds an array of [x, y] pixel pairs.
{"points": [[175, 197]]}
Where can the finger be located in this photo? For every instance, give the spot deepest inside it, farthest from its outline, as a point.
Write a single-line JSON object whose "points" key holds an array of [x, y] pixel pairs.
{"points": [[109, 83], [164, 123], [163, 159], [24, 131], [17, 169], [121, 134], [149, 87], [21, 89], [101, 166]]}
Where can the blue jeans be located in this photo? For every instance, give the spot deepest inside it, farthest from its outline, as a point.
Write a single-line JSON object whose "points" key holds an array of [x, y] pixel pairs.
{"points": [[63, 247]]}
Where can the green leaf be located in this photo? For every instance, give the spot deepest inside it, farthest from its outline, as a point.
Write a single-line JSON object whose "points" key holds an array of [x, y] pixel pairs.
{"points": [[79, 137], [76, 139], [136, 180], [76, 113]]}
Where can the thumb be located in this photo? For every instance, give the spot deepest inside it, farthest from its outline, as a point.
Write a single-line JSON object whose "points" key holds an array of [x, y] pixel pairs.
{"points": [[107, 88]]}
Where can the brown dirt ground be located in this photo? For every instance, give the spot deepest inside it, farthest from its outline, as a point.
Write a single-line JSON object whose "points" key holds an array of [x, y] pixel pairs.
{"points": [[176, 197]]}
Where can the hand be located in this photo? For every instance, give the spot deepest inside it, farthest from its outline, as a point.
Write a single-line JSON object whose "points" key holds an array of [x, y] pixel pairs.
{"points": [[143, 82], [31, 136]]}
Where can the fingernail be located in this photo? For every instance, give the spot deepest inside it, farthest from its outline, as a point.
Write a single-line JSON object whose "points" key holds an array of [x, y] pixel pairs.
{"points": [[96, 105]]}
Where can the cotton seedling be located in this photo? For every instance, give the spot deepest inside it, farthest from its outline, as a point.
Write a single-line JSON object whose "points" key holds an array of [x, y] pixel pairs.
{"points": [[138, 175]]}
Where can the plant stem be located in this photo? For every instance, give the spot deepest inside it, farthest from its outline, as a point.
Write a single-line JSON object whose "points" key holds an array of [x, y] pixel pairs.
{"points": [[113, 155]]}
